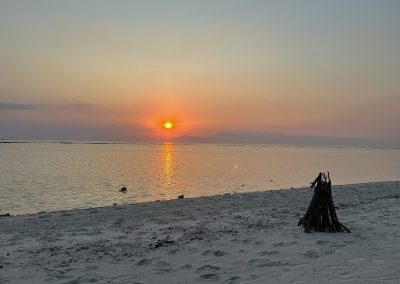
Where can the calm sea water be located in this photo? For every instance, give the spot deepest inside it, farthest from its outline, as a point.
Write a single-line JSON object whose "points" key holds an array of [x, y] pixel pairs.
{"points": [[52, 176]]}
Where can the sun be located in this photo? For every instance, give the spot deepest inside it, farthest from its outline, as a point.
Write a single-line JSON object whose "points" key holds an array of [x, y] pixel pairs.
{"points": [[168, 125]]}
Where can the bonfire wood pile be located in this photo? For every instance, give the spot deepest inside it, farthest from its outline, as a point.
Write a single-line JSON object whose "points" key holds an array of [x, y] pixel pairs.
{"points": [[321, 214]]}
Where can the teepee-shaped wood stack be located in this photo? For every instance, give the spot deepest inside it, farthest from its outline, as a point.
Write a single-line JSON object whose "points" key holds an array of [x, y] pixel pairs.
{"points": [[321, 215]]}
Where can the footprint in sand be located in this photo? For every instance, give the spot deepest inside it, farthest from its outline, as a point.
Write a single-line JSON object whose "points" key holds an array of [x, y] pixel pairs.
{"points": [[329, 251], [233, 280], [210, 272], [163, 263], [268, 252], [173, 251], [144, 261], [311, 253], [356, 260], [217, 253], [321, 242], [186, 266], [207, 268], [163, 270], [206, 252], [118, 222], [266, 263], [210, 276], [82, 279]]}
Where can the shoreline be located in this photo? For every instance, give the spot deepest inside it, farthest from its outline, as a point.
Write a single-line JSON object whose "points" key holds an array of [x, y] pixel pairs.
{"points": [[187, 198], [247, 237]]}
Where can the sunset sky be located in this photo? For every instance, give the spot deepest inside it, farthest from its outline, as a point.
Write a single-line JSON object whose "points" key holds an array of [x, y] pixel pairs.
{"points": [[283, 72]]}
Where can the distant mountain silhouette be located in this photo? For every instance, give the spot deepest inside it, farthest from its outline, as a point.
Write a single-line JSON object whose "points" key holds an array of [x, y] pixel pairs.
{"points": [[248, 137]]}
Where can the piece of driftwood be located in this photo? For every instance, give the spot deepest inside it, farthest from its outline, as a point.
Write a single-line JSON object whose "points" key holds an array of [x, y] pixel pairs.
{"points": [[321, 214]]}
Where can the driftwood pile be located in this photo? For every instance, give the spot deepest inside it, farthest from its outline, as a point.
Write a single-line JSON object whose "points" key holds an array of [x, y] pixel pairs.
{"points": [[321, 215]]}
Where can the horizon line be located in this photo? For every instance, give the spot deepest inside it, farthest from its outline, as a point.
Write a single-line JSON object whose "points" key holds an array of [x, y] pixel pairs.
{"points": [[227, 144]]}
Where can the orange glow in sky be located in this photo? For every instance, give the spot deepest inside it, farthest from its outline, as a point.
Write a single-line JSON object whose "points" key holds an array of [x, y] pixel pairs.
{"points": [[183, 77]]}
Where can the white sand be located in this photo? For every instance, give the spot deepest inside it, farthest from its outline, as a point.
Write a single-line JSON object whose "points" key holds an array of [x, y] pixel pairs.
{"points": [[240, 238]]}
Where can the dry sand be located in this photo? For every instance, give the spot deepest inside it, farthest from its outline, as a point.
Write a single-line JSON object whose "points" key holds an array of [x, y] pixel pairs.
{"points": [[237, 238]]}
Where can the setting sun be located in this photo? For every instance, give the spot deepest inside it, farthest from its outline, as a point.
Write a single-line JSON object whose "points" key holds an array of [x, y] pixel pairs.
{"points": [[168, 125]]}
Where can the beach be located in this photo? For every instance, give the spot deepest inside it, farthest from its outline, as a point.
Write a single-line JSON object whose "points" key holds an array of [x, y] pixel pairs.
{"points": [[230, 238]]}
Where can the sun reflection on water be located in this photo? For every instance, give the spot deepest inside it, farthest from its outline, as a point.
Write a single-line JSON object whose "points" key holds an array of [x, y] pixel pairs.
{"points": [[168, 168]]}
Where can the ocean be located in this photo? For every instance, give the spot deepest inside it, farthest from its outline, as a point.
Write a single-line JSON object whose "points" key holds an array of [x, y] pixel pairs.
{"points": [[51, 176]]}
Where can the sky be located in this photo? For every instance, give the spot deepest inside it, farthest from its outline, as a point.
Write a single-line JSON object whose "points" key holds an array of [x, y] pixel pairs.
{"points": [[281, 72]]}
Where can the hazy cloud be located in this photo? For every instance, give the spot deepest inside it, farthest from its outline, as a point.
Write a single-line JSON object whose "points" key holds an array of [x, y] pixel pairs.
{"points": [[28, 106], [14, 106]]}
